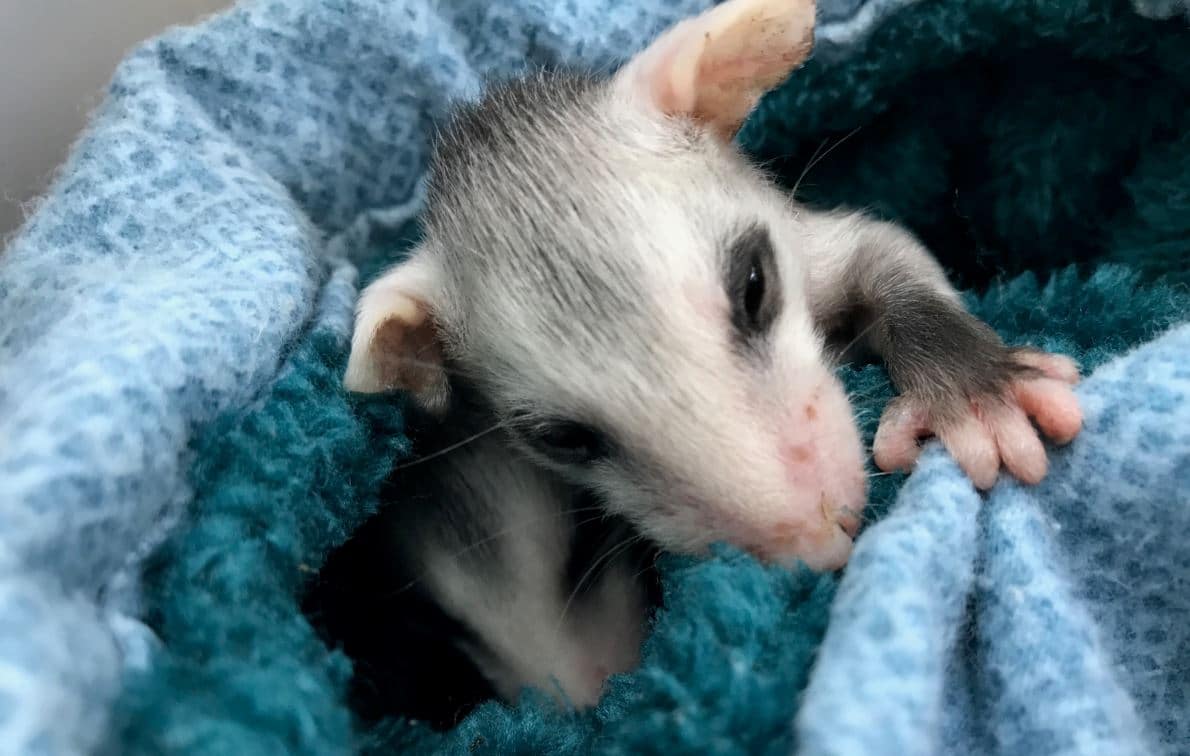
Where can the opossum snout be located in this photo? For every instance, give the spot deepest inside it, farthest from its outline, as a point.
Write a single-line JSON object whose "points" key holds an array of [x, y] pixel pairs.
{"points": [[821, 457], [826, 550], [822, 542]]}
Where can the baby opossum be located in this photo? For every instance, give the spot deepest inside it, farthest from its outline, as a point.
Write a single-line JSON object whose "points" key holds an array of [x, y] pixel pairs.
{"points": [[481, 576], [649, 313]]}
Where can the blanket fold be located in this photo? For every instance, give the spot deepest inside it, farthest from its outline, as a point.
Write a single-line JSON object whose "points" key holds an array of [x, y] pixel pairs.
{"points": [[177, 456], [1064, 631]]}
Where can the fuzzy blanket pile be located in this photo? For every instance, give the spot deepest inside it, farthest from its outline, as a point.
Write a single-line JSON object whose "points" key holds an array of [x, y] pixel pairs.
{"points": [[177, 456]]}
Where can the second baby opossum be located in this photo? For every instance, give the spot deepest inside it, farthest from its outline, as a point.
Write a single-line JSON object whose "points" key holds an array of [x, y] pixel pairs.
{"points": [[650, 315], [483, 575]]}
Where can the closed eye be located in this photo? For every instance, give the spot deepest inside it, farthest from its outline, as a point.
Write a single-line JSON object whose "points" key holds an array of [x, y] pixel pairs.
{"points": [[566, 442], [752, 283]]}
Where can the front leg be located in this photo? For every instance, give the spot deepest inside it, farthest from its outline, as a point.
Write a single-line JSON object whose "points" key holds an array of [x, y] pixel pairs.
{"points": [[956, 379]]}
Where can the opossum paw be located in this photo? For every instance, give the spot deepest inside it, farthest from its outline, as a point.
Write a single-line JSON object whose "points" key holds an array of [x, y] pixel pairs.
{"points": [[985, 433]]}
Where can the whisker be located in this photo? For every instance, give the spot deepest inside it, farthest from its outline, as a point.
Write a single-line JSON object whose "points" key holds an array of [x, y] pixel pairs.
{"points": [[605, 558], [864, 332], [652, 563], [815, 159], [447, 449], [863, 396], [808, 166], [861, 516]]}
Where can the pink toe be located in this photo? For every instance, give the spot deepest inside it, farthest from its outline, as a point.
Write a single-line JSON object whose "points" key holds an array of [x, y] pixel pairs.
{"points": [[970, 442], [895, 446], [1020, 448], [1054, 406]]}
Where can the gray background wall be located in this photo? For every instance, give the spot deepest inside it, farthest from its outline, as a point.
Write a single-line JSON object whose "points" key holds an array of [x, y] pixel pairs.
{"points": [[56, 58]]}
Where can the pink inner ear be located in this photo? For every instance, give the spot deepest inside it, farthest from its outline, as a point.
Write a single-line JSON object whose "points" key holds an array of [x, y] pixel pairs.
{"points": [[716, 66], [407, 354]]}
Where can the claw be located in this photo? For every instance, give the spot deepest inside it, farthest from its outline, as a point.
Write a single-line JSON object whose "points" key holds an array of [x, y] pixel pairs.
{"points": [[988, 433], [1053, 405]]}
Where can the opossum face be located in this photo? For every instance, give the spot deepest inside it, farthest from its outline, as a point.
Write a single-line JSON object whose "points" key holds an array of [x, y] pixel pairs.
{"points": [[629, 295]]}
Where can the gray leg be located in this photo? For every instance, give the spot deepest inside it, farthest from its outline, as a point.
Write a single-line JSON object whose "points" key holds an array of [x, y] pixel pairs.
{"points": [[956, 378]]}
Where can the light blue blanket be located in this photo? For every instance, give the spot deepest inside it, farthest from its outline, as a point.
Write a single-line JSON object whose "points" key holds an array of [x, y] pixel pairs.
{"points": [[202, 225], [1045, 620]]}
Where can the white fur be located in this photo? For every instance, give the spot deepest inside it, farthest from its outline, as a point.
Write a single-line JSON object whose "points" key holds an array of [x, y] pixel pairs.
{"points": [[532, 630]]}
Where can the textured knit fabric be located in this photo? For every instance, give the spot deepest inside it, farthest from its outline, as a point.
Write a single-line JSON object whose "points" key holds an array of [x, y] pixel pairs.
{"points": [[1044, 620], [174, 320]]}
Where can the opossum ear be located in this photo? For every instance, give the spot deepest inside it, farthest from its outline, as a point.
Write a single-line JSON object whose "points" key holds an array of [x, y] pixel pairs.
{"points": [[397, 344], [715, 67]]}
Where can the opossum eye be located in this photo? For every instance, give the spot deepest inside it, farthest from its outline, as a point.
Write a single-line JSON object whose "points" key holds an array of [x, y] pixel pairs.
{"points": [[754, 293], [751, 283], [567, 441]]}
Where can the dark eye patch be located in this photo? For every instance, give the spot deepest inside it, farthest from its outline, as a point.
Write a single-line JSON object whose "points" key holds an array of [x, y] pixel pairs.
{"points": [[752, 283], [566, 442]]}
